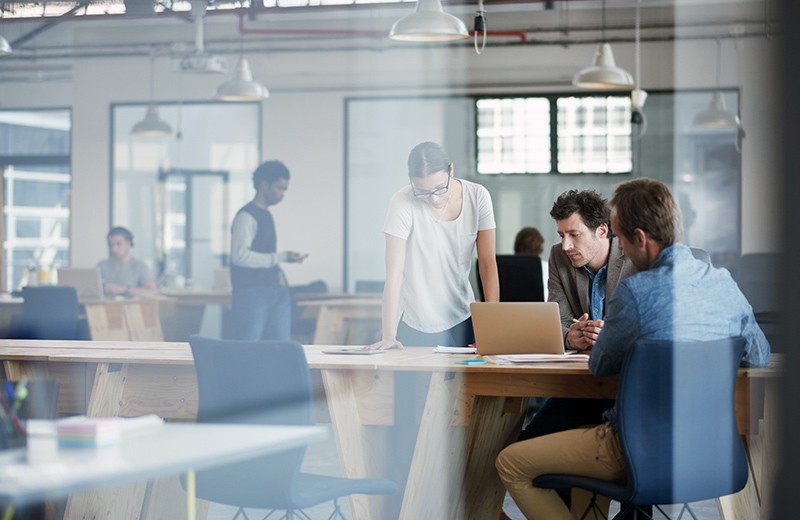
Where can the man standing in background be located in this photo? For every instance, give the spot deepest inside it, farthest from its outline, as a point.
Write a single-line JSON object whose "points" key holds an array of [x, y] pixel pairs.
{"points": [[261, 304]]}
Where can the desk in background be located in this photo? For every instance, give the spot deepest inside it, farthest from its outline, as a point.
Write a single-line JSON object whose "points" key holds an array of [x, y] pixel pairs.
{"points": [[345, 321], [109, 319], [470, 413], [341, 318]]}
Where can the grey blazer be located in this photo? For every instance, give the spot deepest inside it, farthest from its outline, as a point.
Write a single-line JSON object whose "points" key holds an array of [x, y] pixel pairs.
{"points": [[569, 286]]}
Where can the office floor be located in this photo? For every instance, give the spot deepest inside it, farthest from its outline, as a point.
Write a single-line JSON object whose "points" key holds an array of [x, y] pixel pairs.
{"points": [[321, 458]]}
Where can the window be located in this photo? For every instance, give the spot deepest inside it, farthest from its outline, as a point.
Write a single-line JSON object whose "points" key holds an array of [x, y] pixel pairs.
{"points": [[590, 134], [35, 160]]}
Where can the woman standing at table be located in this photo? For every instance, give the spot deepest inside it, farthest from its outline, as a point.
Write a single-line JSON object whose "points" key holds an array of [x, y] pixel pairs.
{"points": [[432, 227]]}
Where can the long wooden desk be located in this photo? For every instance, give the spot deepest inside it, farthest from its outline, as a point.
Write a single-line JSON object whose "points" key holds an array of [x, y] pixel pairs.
{"points": [[469, 414]]}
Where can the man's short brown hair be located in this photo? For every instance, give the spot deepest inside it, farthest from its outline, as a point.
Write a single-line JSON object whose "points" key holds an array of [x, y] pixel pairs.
{"points": [[592, 208], [648, 205]]}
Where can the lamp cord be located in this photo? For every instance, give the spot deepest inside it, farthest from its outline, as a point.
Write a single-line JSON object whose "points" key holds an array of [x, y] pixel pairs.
{"points": [[637, 50], [603, 27]]}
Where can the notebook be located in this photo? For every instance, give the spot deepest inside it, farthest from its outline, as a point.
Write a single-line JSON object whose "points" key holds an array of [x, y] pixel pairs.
{"points": [[517, 328], [85, 280]]}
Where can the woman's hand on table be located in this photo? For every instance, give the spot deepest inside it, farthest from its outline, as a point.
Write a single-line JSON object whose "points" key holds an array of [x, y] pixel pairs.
{"points": [[385, 344]]}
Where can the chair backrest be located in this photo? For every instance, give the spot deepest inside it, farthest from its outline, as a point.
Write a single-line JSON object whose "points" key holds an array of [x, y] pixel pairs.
{"points": [[756, 274], [252, 382], [520, 278], [701, 254], [676, 421], [49, 312], [369, 286]]}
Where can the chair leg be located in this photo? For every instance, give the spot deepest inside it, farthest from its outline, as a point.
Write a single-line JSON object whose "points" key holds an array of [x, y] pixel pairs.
{"points": [[593, 507], [240, 511], [337, 511], [683, 509]]}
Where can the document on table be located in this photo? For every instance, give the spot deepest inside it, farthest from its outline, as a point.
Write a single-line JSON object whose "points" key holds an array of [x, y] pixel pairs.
{"points": [[508, 359], [441, 349], [352, 350]]}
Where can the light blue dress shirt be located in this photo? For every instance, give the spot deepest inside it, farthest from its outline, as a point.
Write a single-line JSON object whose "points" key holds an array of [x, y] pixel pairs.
{"points": [[597, 292], [677, 298]]}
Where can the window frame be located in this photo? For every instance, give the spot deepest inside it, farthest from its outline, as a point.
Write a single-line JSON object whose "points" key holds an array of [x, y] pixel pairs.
{"points": [[552, 98]]}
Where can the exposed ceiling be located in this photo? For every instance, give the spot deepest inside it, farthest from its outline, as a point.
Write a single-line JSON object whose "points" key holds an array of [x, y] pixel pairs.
{"points": [[53, 43]]}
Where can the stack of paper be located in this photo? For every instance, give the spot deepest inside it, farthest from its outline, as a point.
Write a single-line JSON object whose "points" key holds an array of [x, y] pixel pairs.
{"points": [[82, 432], [85, 432], [537, 358], [441, 349]]}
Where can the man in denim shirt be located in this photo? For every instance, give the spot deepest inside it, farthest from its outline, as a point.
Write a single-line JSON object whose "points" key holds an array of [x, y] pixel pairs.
{"points": [[675, 297]]}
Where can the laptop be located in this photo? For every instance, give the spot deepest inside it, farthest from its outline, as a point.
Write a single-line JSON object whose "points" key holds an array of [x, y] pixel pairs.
{"points": [[517, 328], [85, 280]]}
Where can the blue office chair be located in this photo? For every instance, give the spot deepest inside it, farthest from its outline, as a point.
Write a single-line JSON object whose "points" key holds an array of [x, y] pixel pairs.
{"points": [[50, 312], [758, 279], [676, 426], [265, 382], [369, 286], [701, 254]]}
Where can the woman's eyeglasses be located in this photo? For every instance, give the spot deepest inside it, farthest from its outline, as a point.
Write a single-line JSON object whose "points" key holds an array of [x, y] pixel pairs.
{"points": [[441, 190]]}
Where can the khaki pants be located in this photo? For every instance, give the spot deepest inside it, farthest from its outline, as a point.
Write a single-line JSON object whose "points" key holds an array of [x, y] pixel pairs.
{"points": [[591, 452]]}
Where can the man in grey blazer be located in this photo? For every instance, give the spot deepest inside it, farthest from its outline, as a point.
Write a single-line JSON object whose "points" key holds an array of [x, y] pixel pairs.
{"points": [[584, 269]]}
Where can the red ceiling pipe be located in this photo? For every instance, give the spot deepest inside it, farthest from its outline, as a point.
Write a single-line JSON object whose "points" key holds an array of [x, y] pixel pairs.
{"points": [[341, 32]]}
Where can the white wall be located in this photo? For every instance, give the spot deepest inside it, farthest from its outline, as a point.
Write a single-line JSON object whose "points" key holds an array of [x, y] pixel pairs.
{"points": [[303, 120]]}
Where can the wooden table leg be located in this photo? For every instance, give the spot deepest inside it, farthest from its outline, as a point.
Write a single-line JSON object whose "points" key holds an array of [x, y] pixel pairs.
{"points": [[460, 435], [351, 437], [162, 498], [760, 442]]}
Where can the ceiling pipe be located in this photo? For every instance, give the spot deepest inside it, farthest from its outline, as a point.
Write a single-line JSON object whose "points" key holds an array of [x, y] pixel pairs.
{"points": [[243, 30]]}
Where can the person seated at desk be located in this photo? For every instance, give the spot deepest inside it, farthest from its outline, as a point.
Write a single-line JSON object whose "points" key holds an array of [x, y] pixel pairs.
{"points": [[121, 273], [584, 269], [674, 297], [529, 241]]}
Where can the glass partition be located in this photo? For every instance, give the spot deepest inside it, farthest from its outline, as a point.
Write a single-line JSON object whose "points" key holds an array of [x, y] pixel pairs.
{"points": [[176, 192]]}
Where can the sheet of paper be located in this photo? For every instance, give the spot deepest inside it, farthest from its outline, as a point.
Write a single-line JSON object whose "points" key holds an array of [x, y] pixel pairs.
{"points": [[538, 358], [441, 349], [351, 350]]}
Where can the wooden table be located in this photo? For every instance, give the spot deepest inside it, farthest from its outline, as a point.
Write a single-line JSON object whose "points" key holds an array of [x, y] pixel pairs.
{"points": [[109, 319], [345, 321], [470, 413], [341, 317]]}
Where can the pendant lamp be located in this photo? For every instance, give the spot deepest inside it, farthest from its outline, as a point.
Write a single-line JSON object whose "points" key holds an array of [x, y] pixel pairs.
{"points": [[603, 73], [151, 125], [429, 23], [241, 86], [717, 114]]}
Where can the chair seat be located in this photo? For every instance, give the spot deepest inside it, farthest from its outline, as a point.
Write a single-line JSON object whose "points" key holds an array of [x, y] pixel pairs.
{"points": [[676, 425], [611, 490]]}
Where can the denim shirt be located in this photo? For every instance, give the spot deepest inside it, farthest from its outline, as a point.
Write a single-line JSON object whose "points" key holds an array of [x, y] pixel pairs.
{"points": [[677, 298], [597, 292]]}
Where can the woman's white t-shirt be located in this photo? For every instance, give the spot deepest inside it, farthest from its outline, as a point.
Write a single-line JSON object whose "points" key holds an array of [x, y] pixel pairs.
{"points": [[436, 293]]}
